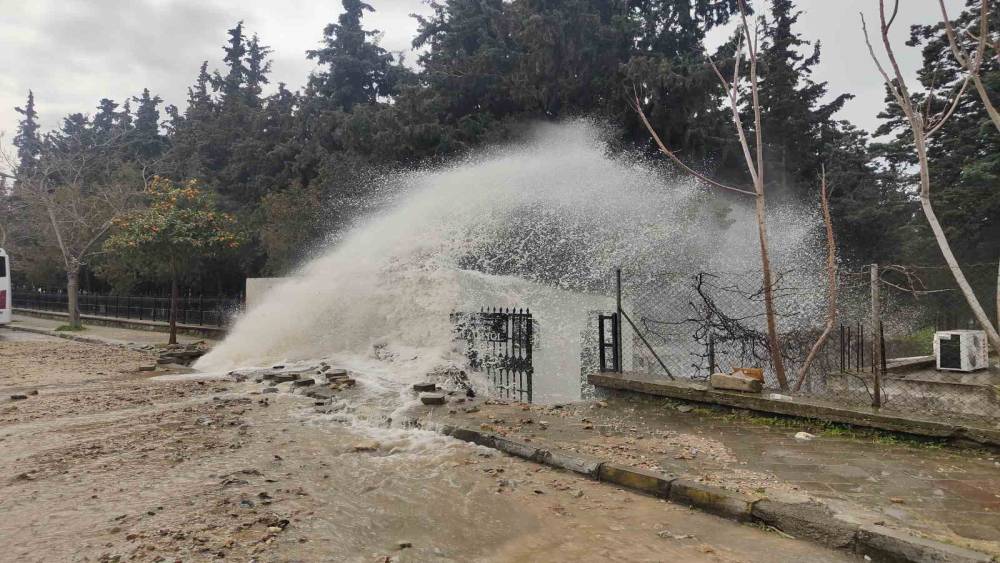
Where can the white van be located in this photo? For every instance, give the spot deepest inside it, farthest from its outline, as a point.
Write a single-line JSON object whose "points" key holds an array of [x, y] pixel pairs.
{"points": [[5, 295]]}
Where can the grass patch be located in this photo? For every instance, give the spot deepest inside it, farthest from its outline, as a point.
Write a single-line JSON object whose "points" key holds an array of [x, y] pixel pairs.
{"points": [[820, 427], [70, 328]]}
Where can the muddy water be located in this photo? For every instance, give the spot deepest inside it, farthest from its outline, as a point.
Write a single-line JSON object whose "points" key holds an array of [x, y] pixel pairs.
{"points": [[136, 469]]}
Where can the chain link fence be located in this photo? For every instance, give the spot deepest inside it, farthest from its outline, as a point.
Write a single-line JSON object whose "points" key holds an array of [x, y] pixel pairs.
{"points": [[689, 326]]}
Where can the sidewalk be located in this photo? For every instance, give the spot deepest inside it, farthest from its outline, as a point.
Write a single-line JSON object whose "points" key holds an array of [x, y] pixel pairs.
{"points": [[918, 487], [104, 334]]}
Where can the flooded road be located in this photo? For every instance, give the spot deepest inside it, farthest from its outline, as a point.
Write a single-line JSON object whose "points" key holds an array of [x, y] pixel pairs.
{"points": [[115, 466]]}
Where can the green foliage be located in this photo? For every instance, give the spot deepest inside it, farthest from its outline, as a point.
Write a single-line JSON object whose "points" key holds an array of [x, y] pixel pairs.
{"points": [[70, 328], [356, 70], [171, 236]]}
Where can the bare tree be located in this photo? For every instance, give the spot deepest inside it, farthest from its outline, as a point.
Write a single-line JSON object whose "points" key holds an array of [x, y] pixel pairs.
{"points": [[831, 275], [972, 63], [755, 166], [923, 126], [77, 189]]}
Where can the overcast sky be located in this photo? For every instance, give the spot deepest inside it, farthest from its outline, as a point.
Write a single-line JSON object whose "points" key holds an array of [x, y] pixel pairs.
{"points": [[74, 52]]}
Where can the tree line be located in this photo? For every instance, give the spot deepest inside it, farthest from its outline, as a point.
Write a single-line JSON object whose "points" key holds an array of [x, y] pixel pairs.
{"points": [[280, 169]]}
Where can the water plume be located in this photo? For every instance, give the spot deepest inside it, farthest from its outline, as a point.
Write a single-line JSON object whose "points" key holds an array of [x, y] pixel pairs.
{"points": [[540, 224]]}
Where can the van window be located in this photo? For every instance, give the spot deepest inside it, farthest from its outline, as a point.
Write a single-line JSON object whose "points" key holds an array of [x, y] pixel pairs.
{"points": [[3, 266]]}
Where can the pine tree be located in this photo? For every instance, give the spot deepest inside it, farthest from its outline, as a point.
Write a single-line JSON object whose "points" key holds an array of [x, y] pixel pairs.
{"points": [[231, 84], [667, 66], [106, 118], [469, 50], [145, 137], [257, 68], [792, 111], [27, 140], [125, 116], [357, 71]]}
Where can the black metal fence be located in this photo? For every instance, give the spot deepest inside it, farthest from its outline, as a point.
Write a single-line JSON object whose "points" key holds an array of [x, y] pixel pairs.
{"points": [[499, 342], [200, 311]]}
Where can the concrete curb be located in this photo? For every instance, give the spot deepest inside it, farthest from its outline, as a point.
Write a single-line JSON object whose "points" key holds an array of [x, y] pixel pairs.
{"points": [[65, 336], [812, 521], [647, 482], [198, 331]]}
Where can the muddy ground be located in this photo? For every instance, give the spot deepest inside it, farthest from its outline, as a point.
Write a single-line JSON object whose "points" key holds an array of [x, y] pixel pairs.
{"points": [[105, 463]]}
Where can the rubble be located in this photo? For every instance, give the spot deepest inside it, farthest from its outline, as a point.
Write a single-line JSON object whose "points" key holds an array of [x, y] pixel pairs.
{"points": [[181, 354], [432, 398]]}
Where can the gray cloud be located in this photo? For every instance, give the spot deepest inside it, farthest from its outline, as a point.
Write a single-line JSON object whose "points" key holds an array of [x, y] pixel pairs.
{"points": [[74, 52]]}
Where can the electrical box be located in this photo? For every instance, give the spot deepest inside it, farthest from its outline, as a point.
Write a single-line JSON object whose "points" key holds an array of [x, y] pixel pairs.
{"points": [[961, 350]]}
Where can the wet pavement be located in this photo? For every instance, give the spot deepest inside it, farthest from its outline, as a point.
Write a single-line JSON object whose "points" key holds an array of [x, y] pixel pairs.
{"points": [[111, 464], [944, 493]]}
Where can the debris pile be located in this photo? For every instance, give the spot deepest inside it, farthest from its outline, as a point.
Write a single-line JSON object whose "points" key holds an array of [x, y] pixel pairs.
{"points": [[180, 354], [320, 382]]}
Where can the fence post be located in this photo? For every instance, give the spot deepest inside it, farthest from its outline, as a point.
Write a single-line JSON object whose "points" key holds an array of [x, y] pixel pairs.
{"points": [[876, 337], [618, 316], [711, 353]]}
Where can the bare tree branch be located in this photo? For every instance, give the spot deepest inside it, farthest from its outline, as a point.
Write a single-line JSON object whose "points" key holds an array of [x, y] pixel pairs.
{"points": [[678, 161], [973, 64], [831, 274]]}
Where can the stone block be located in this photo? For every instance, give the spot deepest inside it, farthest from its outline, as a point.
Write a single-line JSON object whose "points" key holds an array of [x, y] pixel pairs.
{"points": [[432, 398], [425, 387], [304, 382], [320, 393], [736, 382]]}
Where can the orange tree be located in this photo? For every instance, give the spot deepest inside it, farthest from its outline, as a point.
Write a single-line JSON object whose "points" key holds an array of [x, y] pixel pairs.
{"points": [[166, 240]]}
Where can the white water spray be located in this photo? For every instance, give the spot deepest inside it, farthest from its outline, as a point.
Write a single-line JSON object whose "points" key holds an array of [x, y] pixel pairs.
{"points": [[539, 225]]}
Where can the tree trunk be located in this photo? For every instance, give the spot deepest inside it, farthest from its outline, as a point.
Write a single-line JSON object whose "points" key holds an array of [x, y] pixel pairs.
{"points": [[73, 297], [942, 241], [832, 289], [174, 295], [963, 284], [772, 324]]}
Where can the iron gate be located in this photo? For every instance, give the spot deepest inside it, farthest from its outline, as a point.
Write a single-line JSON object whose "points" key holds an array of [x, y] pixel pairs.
{"points": [[499, 343]]}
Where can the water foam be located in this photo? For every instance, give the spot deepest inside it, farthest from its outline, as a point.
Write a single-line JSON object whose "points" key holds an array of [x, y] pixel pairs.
{"points": [[537, 225]]}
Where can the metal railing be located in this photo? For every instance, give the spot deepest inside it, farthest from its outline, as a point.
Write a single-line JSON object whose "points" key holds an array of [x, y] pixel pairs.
{"points": [[200, 311]]}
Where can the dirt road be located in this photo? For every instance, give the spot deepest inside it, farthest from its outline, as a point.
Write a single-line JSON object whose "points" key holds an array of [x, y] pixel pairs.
{"points": [[106, 464]]}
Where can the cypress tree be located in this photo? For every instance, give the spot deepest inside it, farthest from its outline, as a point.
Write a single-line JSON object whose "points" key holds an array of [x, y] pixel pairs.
{"points": [[27, 140]]}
